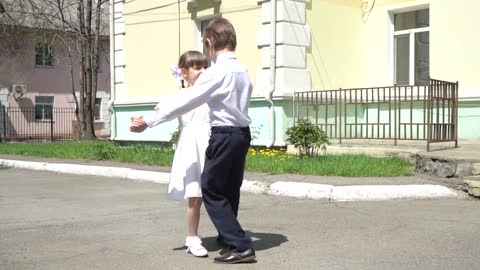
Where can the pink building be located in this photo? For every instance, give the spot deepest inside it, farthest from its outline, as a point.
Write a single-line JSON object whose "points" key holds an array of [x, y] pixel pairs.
{"points": [[35, 77], [39, 69]]}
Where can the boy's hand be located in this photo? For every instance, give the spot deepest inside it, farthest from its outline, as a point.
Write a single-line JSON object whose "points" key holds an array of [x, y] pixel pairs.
{"points": [[138, 124]]}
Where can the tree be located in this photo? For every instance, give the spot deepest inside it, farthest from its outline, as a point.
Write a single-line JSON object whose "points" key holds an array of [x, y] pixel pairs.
{"points": [[77, 25]]}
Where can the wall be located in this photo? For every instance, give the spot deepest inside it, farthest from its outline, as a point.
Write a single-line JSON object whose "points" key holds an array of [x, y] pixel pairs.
{"points": [[54, 80], [335, 58], [347, 51], [154, 40], [455, 43]]}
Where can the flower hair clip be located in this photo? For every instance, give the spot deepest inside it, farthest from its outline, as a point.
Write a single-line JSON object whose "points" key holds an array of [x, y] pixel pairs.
{"points": [[177, 73]]}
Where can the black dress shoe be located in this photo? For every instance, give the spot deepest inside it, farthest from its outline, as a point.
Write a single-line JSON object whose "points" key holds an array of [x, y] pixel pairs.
{"points": [[235, 256]]}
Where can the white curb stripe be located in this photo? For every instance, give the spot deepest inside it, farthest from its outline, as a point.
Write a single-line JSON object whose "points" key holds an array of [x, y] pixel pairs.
{"points": [[87, 170], [301, 190], [254, 187], [38, 166], [390, 192]]}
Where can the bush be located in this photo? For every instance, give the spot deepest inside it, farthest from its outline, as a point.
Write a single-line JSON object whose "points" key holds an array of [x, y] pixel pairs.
{"points": [[306, 137], [174, 136]]}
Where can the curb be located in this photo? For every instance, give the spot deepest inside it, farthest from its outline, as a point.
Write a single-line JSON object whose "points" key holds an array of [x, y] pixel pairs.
{"points": [[117, 172], [281, 188]]}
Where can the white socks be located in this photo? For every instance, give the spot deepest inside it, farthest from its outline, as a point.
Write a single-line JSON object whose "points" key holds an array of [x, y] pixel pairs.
{"points": [[194, 246]]}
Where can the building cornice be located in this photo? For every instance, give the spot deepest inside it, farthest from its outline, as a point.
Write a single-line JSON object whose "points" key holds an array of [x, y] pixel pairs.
{"points": [[300, 1], [194, 3]]}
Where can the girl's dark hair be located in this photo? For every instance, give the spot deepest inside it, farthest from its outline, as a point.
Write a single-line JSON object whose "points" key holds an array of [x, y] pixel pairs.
{"points": [[192, 59]]}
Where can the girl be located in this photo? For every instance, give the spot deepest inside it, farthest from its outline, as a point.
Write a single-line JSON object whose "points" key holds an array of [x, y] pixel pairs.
{"points": [[189, 155]]}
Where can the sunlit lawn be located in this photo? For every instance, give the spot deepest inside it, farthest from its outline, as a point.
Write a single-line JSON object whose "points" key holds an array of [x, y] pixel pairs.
{"points": [[274, 161], [279, 162]]}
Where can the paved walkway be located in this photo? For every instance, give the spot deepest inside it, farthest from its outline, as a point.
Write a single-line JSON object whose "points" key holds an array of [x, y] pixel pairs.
{"points": [[290, 185]]}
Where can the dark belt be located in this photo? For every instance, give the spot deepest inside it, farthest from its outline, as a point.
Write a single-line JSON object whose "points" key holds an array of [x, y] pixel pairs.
{"points": [[229, 129]]}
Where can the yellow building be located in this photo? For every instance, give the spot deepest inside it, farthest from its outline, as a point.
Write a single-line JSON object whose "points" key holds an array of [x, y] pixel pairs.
{"points": [[318, 45]]}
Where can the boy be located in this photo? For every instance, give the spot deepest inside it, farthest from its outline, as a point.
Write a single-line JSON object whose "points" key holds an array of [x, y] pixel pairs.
{"points": [[226, 88]]}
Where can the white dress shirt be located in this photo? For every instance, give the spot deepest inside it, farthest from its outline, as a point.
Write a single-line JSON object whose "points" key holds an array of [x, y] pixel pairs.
{"points": [[225, 87]]}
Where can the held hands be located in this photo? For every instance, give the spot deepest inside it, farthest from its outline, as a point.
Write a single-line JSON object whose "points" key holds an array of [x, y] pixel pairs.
{"points": [[138, 124]]}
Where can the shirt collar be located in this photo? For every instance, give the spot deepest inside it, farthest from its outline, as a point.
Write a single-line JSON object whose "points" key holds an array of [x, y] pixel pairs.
{"points": [[225, 56]]}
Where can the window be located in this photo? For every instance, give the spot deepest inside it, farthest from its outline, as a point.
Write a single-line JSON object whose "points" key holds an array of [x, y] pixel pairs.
{"points": [[412, 47], [43, 107], [98, 106], [201, 27], [43, 55]]}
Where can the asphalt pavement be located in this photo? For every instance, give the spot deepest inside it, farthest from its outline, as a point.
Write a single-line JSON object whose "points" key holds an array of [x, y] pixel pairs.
{"points": [[63, 221]]}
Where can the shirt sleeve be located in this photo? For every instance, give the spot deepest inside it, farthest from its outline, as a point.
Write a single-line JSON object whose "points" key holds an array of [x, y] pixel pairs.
{"points": [[186, 100]]}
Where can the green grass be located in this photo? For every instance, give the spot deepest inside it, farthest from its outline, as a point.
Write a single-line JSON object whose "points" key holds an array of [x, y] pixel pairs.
{"points": [[270, 161], [331, 165], [92, 151], [80, 150]]}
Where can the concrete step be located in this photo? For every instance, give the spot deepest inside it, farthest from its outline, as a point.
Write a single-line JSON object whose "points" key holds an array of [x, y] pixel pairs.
{"points": [[445, 167], [472, 185]]}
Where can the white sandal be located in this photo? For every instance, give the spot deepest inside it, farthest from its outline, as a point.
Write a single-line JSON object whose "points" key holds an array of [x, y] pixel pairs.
{"points": [[194, 246]]}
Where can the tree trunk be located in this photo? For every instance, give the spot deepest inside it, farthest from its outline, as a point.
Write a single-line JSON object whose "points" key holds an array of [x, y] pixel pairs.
{"points": [[96, 49], [81, 40], [90, 130]]}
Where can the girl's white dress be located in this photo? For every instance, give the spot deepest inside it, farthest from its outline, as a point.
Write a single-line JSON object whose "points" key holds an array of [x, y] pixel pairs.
{"points": [[189, 155]]}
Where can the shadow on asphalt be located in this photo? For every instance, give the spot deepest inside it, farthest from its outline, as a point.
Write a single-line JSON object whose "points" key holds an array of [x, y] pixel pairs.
{"points": [[263, 241], [260, 241]]}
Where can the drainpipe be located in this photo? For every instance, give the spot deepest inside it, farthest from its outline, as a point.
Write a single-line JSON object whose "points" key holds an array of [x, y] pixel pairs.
{"points": [[273, 60], [112, 72]]}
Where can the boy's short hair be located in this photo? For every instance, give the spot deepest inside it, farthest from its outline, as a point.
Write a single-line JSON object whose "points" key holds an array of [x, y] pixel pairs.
{"points": [[222, 34]]}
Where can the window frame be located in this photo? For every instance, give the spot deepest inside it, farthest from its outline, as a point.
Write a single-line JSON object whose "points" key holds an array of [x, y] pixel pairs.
{"points": [[411, 33], [411, 69], [44, 113], [47, 51], [199, 23], [97, 114]]}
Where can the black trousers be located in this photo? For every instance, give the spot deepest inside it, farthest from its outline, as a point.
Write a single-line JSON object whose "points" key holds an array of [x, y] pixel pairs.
{"points": [[222, 178]]}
